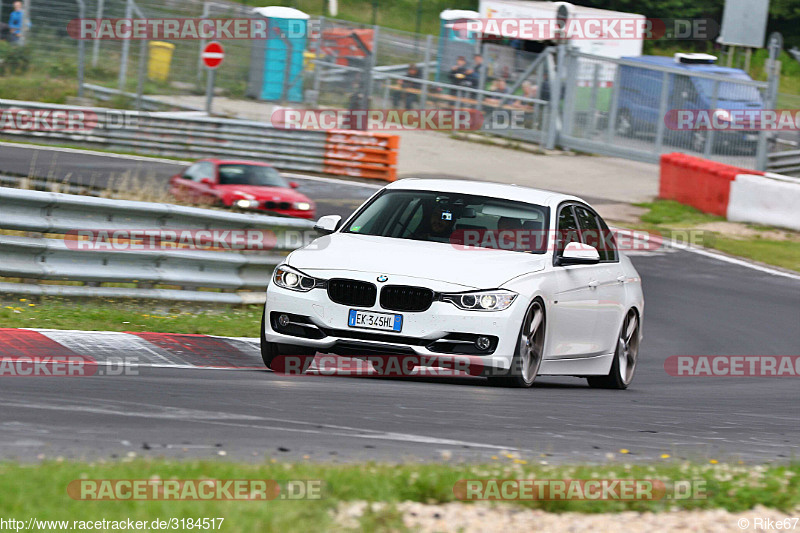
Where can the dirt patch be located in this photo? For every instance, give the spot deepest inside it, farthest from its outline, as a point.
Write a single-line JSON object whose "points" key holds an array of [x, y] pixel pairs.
{"points": [[461, 517]]}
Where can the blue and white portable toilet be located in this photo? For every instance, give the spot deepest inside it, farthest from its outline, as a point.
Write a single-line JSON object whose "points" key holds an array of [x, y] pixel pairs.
{"points": [[276, 63], [454, 41]]}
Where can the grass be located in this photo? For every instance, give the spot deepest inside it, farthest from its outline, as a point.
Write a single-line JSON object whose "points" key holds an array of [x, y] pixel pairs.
{"points": [[110, 315], [40, 490], [764, 244]]}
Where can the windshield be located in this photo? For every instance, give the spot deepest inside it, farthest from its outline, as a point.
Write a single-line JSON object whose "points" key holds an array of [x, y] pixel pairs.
{"points": [[729, 91], [454, 218], [238, 174]]}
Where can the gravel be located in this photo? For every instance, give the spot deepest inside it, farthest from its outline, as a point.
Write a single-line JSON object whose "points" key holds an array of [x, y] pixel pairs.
{"points": [[466, 518]]}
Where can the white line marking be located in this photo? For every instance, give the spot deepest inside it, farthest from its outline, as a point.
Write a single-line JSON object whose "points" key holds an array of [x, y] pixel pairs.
{"points": [[210, 417], [715, 255], [92, 152], [333, 180]]}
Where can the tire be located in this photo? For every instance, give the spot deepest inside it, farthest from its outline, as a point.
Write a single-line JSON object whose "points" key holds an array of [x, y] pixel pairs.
{"points": [[624, 124], [529, 352], [625, 356], [271, 350]]}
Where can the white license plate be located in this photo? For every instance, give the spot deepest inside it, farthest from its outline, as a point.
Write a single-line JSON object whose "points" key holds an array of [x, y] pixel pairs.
{"points": [[750, 137], [370, 320]]}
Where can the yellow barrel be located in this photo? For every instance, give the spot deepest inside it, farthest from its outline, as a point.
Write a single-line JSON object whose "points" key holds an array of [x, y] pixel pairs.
{"points": [[308, 57], [159, 61]]}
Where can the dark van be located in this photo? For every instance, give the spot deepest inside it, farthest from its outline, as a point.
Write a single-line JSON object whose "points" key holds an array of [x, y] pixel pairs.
{"points": [[638, 110]]}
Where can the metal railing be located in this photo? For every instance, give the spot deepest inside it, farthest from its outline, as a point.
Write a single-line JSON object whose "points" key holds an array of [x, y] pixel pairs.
{"points": [[184, 135], [619, 107], [173, 274]]}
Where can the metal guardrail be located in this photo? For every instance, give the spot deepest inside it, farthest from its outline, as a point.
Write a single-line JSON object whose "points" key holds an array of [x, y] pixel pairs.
{"points": [[785, 162], [348, 153], [36, 259]]}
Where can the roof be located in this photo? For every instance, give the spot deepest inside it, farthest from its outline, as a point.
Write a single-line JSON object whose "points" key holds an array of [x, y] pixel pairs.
{"points": [[484, 188], [236, 162], [280, 12], [455, 14], [668, 61], [552, 7]]}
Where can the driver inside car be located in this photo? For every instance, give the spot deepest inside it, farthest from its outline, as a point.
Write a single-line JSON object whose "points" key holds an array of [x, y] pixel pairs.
{"points": [[437, 227]]}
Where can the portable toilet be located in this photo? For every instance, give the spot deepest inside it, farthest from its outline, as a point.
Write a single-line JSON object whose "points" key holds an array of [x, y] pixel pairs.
{"points": [[276, 63], [454, 41]]}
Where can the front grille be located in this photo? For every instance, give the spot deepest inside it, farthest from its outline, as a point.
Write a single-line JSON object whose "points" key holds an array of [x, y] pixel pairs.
{"points": [[352, 292], [277, 205], [404, 298]]}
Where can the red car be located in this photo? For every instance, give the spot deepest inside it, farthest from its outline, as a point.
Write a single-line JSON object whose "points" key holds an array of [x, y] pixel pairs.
{"points": [[242, 184]]}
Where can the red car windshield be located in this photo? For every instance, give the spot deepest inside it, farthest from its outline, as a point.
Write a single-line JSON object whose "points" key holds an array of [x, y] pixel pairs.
{"points": [[236, 174]]}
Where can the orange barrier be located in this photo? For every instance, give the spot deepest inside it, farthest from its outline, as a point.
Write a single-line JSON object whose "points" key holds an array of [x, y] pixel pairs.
{"points": [[361, 154], [698, 182]]}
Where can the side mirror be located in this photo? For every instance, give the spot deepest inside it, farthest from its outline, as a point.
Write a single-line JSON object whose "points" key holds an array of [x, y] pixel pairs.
{"points": [[294, 184], [579, 254], [207, 181], [328, 224]]}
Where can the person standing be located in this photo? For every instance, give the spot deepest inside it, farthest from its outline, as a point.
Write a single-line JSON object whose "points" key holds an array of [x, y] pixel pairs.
{"points": [[474, 75], [15, 23]]}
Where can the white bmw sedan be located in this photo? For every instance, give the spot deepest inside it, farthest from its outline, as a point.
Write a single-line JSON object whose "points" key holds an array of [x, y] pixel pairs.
{"points": [[525, 281]]}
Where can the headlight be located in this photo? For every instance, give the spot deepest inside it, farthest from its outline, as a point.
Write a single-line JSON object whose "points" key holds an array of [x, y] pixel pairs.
{"points": [[291, 279], [498, 300], [302, 206], [247, 204]]}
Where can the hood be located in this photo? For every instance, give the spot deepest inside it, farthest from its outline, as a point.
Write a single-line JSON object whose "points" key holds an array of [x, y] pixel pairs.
{"points": [[256, 192], [473, 268]]}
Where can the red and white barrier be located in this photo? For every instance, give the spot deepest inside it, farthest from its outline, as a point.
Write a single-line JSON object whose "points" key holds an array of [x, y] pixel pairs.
{"points": [[770, 199], [738, 194]]}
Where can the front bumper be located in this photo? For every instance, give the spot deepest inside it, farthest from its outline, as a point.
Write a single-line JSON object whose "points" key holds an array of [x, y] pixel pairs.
{"points": [[443, 329]]}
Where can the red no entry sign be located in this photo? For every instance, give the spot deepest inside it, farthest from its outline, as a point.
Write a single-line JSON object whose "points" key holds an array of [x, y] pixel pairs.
{"points": [[213, 54]]}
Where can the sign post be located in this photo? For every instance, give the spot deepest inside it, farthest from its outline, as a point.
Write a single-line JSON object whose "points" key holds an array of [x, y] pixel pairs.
{"points": [[212, 55]]}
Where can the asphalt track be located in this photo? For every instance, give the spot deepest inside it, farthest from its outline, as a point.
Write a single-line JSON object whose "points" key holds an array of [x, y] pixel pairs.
{"points": [[104, 170], [695, 305]]}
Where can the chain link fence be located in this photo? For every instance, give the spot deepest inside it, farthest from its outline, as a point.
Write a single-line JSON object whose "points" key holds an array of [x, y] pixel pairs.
{"points": [[575, 100]]}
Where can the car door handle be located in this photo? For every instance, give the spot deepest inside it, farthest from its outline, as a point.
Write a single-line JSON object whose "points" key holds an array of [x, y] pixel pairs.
{"points": [[593, 284], [622, 279]]}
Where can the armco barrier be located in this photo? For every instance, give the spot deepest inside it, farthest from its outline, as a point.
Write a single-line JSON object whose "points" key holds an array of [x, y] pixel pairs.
{"points": [[769, 199], [185, 135], [698, 182], [34, 258]]}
